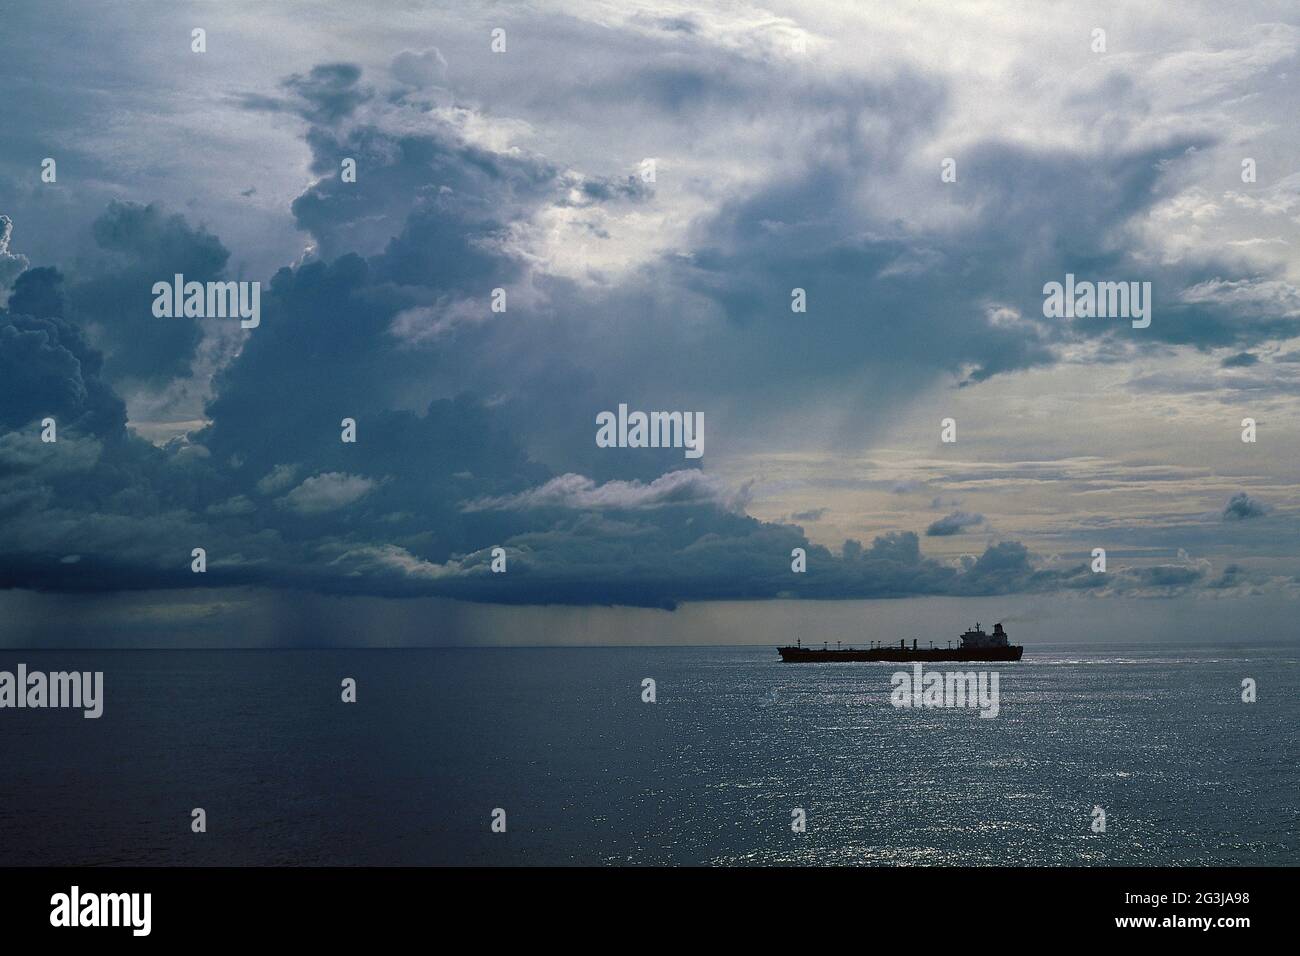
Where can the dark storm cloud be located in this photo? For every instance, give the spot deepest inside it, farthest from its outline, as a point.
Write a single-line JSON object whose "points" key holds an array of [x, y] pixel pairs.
{"points": [[474, 428], [1242, 506], [440, 199], [112, 296], [274, 497], [891, 309], [38, 292], [693, 553], [48, 370]]}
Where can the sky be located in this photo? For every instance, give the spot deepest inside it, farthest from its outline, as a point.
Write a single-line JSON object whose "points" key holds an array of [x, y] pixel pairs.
{"points": [[643, 187]]}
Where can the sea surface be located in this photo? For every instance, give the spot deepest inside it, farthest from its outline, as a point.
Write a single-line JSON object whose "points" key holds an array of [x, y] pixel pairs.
{"points": [[587, 773]]}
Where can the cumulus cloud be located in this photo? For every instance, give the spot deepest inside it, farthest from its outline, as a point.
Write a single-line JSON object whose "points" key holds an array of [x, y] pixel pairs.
{"points": [[112, 297], [12, 264], [47, 369]]}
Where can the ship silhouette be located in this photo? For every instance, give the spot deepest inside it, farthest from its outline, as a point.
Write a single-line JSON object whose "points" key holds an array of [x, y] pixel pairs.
{"points": [[975, 646]]}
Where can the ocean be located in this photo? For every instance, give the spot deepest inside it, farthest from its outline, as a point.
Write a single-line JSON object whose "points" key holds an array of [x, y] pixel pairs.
{"points": [[587, 772]]}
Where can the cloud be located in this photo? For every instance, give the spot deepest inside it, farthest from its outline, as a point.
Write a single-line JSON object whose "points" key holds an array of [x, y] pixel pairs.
{"points": [[12, 264], [576, 492], [1240, 360], [420, 70], [277, 479], [38, 293], [238, 505], [331, 91], [112, 297], [390, 560], [327, 94], [955, 523], [1242, 506], [327, 492], [47, 369], [133, 511], [672, 296]]}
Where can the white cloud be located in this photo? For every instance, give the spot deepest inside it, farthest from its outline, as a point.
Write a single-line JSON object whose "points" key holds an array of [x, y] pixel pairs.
{"points": [[277, 479], [11, 264], [424, 69], [572, 491], [391, 558], [327, 492]]}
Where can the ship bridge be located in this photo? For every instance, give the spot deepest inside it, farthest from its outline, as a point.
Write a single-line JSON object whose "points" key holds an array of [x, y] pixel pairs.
{"points": [[976, 637]]}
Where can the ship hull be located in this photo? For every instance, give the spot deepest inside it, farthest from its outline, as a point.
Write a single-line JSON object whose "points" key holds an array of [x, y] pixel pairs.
{"points": [[805, 655]]}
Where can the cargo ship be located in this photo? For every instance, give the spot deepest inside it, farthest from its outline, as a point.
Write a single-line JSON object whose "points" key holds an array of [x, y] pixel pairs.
{"points": [[975, 646]]}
